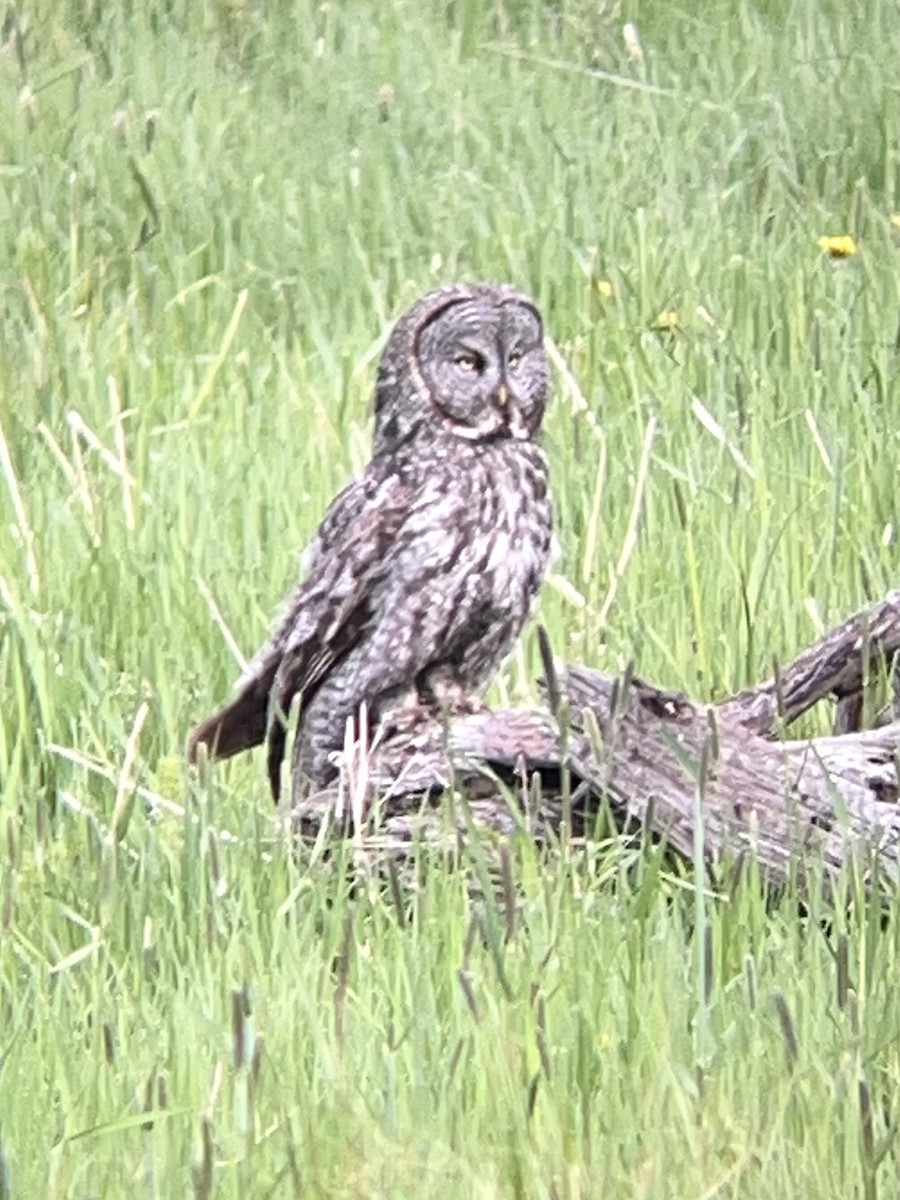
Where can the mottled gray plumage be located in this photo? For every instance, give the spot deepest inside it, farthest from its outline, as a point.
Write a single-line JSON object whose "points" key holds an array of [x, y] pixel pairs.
{"points": [[425, 568]]}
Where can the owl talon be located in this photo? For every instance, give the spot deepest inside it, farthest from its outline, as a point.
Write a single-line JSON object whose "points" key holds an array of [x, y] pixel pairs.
{"points": [[446, 696], [405, 720], [462, 705]]}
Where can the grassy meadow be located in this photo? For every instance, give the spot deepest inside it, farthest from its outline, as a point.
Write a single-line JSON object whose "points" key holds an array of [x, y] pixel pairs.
{"points": [[211, 212]]}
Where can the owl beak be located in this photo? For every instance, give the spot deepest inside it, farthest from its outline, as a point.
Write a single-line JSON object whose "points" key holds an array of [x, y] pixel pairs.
{"points": [[508, 410]]}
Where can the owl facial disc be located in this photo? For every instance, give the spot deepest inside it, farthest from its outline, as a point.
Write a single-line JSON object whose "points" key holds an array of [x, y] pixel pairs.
{"points": [[480, 364]]}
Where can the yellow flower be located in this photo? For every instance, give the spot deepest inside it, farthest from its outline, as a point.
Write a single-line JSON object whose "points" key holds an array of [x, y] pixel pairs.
{"points": [[605, 289], [895, 220], [667, 320], [838, 247]]}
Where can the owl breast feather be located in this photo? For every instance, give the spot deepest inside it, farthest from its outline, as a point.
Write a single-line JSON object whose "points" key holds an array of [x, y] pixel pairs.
{"points": [[496, 577]]}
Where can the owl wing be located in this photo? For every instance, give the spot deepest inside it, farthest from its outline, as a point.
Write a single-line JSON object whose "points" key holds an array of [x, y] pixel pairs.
{"points": [[322, 620], [412, 578], [333, 610]]}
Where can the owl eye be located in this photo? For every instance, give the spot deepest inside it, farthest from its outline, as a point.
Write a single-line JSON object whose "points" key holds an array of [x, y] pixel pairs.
{"points": [[515, 356], [468, 360]]}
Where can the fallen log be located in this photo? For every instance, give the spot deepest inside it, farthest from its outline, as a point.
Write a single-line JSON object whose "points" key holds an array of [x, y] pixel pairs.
{"points": [[655, 761]]}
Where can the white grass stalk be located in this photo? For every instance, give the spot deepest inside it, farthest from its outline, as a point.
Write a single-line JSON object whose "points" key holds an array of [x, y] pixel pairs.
{"points": [[631, 533], [115, 409], [711, 425], [154, 800], [76, 481], [21, 516], [220, 623], [593, 525], [228, 337], [81, 428], [577, 398], [125, 783], [819, 444]]}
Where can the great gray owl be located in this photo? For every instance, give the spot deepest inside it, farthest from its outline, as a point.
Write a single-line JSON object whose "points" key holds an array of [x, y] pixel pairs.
{"points": [[425, 568]]}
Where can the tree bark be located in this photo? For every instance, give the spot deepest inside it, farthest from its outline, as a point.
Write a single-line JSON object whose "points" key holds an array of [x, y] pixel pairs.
{"points": [[723, 776]]}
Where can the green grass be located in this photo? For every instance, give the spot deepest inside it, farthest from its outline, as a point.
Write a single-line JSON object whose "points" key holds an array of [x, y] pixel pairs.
{"points": [[176, 412]]}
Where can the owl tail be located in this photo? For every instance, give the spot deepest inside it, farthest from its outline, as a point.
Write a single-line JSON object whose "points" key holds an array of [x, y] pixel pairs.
{"points": [[241, 724]]}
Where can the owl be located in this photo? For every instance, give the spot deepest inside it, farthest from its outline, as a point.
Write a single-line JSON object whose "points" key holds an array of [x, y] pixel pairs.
{"points": [[424, 568]]}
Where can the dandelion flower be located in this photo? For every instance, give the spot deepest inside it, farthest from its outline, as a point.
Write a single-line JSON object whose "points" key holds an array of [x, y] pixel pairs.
{"points": [[605, 289], [895, 220], [667, 321], [838, 247]]}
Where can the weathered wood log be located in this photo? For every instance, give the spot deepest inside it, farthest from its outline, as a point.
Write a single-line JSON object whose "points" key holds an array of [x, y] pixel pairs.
{"points": [[838, 665], [657, 761]]}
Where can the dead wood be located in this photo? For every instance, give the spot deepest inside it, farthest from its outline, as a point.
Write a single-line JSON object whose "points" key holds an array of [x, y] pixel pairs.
{"points": [[656, 761]]}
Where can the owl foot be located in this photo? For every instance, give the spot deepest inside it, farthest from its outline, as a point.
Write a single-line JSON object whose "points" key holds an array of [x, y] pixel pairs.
{"points": [[448, 697], [406, 718]]}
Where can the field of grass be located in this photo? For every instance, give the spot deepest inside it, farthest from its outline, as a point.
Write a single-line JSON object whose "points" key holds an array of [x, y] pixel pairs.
{"points": [[211, 212]]}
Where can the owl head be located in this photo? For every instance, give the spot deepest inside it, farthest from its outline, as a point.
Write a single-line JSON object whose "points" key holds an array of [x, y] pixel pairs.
{"points": [[468, 359]]}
